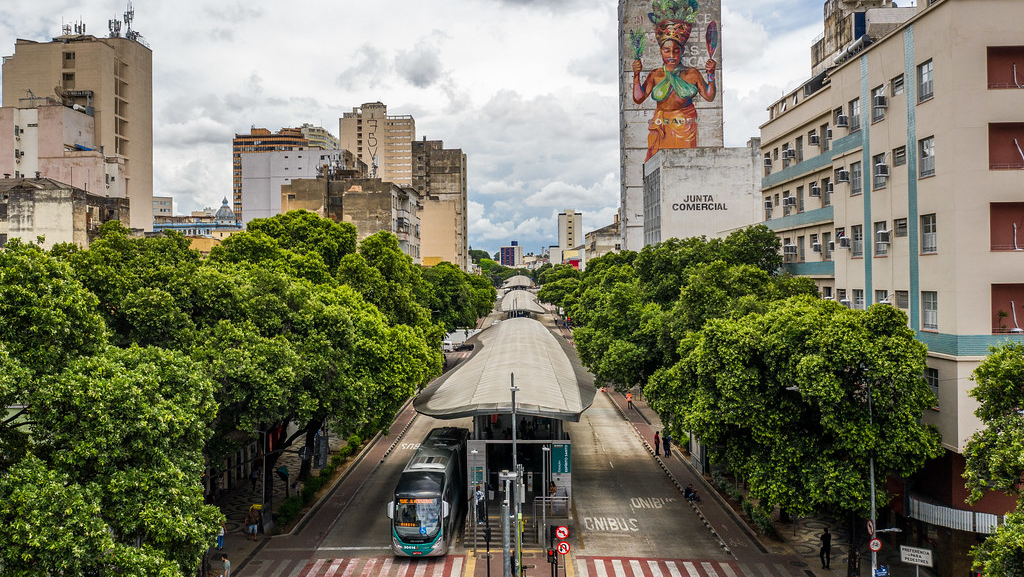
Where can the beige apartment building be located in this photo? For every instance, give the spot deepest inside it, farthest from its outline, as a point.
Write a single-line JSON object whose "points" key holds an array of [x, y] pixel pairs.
{"points": [[439, 177], [110, 79], [570, 228], [383, 142], [33, 208], [895, 176]]}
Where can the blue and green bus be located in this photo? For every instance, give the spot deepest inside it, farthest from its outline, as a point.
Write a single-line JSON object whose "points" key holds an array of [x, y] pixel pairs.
{"points": [[430, 497]]}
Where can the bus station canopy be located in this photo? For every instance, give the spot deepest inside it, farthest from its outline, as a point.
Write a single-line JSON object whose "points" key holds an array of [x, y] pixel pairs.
{"points": [[517, 281], [550, 379], [522, 301]]}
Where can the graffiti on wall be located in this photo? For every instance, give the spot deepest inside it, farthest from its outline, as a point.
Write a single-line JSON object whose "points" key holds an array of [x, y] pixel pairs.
{"points": [[680, 79]]}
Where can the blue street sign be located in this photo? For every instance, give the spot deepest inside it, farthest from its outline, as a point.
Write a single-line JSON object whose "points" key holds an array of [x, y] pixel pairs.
{"points": [[882, 571]]}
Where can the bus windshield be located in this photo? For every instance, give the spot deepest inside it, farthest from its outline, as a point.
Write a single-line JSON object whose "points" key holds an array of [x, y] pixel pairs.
{"points": [[417, 517]]}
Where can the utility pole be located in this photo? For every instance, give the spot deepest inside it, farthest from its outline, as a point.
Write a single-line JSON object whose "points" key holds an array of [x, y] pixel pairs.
{"points": [[515, 467]]}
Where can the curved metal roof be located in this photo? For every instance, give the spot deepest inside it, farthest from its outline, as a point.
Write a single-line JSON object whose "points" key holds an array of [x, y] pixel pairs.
{"points": [[517, 281], [522, 301], [551, 381]]}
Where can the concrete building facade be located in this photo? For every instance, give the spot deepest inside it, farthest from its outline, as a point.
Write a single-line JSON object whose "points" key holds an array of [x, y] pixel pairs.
{"points": [[700, 192], [511, 255], [109, 78], [265, 172], [570, 228], [31, 208], [440, 179], [59, 142], [371, 204], [652, 116], [382, 141], [163, 206], [602, 241], [895, 177], [258, 140]]}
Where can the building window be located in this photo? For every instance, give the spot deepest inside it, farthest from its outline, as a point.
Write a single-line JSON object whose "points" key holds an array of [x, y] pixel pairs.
{"points": [[897, 85], [855, 115], [899, 156], [903, 299], [858, 299], [879, 171], [882, 296], [931, 377], [928, 234], [826, 192], [899, 227], [841, 297], [877, 96], [799, 199], [1005, 140], [826, 292], [930, 310], [925, 88], [857, 234], [881, 239], [856, 181], [800, 248], [1005, 227], [799, 148], [826, 137], [926, 148], [826, 240]]}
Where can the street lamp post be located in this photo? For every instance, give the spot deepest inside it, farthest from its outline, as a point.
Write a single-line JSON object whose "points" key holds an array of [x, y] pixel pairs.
{"points": [[515, 483], [545, 453], [476, 506], [871, 473]]}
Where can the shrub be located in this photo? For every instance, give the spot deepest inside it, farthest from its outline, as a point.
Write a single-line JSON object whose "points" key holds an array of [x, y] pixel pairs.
{"points": [[288, 510], [763, 520]]}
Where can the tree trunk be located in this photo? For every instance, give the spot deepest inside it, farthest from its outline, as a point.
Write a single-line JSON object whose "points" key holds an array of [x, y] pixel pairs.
{"points": [[312, 428]]}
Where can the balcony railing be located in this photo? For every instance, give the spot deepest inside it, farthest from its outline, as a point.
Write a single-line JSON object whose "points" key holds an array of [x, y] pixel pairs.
{"points": [[950, 518]]}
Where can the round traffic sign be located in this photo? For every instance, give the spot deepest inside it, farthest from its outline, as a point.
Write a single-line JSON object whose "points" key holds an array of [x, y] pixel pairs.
{"points": [[871, 527], [562, 532], [875, 545], [563, 547]]}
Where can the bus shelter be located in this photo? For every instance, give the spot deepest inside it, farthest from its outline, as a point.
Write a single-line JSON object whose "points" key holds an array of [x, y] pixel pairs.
{"points": [[552, 388]]}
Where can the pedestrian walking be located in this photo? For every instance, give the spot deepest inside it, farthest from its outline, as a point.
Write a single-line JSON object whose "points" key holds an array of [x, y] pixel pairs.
{"points": [[252, 520], [629, 400], [220, 535], [657, 443], [481, 505], [227, 565], [254, 476], [666, 440], [826, 549]]}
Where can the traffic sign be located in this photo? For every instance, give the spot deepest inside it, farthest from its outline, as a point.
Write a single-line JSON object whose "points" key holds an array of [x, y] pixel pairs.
{"points": [[562, 532], [875, 545], [916, 555], [871, 527], [882, 571], [563, 547]]}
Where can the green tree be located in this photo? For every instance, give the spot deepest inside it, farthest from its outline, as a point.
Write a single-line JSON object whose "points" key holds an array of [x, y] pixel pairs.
{"points": [[994, 457], [478, 255], [782, 399], [450, 292], [304, 232]]}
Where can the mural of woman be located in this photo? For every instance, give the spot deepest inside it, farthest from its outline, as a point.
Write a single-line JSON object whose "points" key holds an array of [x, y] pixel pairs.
{"points": [[674, 85]]}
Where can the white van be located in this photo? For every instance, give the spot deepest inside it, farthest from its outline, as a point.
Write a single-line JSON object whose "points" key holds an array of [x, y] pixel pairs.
{"points": [[447, 346]]}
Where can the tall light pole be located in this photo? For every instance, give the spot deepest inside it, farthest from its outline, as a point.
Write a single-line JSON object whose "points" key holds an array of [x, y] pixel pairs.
{"points": [[545, 452], [871, 473], [476, 506], [515, 484]]}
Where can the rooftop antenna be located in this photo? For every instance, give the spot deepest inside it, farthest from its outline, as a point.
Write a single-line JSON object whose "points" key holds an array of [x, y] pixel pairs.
{"points": [[115, 27], [1016, 328]]}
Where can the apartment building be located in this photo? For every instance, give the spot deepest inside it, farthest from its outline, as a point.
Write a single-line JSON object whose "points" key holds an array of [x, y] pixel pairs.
{"points": [[265, 172], [570, 228], [511, 255], [895, 176], [258, 140], [107, 79], [33, 208], [382, 141], [439, 177]]}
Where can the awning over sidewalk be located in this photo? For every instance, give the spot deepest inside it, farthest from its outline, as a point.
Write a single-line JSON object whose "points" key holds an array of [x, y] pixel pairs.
{"points": [[521, 301], [547, 372], [517, 281]]}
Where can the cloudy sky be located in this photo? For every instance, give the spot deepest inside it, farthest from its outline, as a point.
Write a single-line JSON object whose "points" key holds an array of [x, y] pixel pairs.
{"points": [[527, 88]]}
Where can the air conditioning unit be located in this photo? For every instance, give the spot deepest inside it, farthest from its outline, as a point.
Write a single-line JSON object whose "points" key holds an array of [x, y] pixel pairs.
{"points": [[831, 246], [844, 242], [845, 302], [789, 249], [814, 140], [828, 134], [842, 175], [816, 247], [789, 153], [789, 201], [883, 236], [829, 188], [767, 161], [842, 121], [882, 169], [881, 101], [815, 190], [768, 204]]}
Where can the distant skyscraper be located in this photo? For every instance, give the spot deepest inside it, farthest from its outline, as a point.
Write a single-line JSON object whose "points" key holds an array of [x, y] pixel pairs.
{"points": [[379, 140], [511, 255], [259, 140], [109, 78], [570, 228], [658, 111]]}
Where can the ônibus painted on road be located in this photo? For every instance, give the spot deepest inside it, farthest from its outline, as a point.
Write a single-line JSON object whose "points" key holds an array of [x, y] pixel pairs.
{"points": [[430, 496]]}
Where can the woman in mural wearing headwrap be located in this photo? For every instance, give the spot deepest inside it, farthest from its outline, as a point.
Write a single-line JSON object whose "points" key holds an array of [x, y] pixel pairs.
{"points": [[674, 85]]}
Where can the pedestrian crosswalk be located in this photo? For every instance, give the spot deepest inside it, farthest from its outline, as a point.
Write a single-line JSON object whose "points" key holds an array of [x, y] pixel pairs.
{"points": [[450, 566], [635, 567]]}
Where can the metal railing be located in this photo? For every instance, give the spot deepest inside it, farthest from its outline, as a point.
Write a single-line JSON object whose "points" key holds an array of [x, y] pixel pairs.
{"points": [[951, 518]]}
